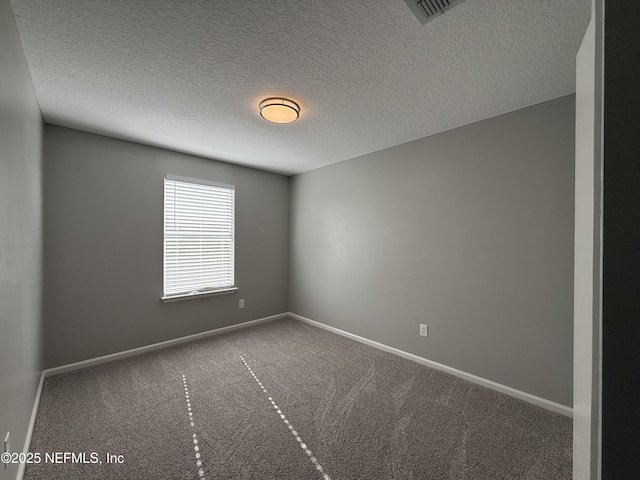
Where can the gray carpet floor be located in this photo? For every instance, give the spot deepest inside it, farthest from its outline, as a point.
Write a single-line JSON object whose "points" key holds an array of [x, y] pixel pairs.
{"points": [[285, 400]]}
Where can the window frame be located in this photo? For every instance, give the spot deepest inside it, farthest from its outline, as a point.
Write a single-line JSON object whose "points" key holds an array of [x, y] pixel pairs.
{"points": [[202, 292]]}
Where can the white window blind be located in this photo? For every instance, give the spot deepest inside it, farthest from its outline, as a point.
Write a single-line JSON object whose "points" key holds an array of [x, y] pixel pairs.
{"points": [[198, 237]]}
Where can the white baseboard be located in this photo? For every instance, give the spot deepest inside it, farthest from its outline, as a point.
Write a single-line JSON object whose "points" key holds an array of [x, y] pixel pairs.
{"points": [[32, 422], [119, 355], [527, 397], [155, 346]]}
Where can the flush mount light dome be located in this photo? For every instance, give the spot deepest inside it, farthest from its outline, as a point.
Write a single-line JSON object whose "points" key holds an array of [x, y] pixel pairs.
{"points": [[279, 110]]}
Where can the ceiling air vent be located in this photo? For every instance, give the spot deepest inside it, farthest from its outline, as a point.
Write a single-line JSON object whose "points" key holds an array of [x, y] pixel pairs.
{"points": [[427, 10]]}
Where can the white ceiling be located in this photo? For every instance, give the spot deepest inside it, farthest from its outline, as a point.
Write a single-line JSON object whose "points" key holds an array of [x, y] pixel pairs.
{"points": [[188, 75]]}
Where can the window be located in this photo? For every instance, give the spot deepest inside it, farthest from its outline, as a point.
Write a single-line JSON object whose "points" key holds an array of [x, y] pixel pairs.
{"points": [[198, 238]]}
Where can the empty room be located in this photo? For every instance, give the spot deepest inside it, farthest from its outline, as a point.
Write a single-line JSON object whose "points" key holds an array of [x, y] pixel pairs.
{"points": [[316, 240]]}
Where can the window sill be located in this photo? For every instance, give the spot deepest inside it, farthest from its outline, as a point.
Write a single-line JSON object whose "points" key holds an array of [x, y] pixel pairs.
{"points": [[193, 296]]}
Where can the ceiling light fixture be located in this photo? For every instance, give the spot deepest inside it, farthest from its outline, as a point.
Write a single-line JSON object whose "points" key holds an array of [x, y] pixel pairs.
{"points": [[279, 110]]}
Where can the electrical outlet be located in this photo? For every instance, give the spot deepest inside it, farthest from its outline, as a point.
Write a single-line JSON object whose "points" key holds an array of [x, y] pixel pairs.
{"points": [[424, 330], [6, 448], [241, 303]]}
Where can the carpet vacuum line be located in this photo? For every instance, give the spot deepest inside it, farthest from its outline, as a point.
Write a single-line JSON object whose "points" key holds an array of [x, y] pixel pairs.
{"points": [[196, 447], [278, 410]]}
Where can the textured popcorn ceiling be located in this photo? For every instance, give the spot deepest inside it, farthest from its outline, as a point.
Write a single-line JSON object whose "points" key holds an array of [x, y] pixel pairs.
{"points": [[188, 75]]}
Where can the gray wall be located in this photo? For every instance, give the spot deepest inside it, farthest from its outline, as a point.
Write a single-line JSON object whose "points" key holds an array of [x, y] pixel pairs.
{"points": [[20, 238], [103, 246], [469, 231]]}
